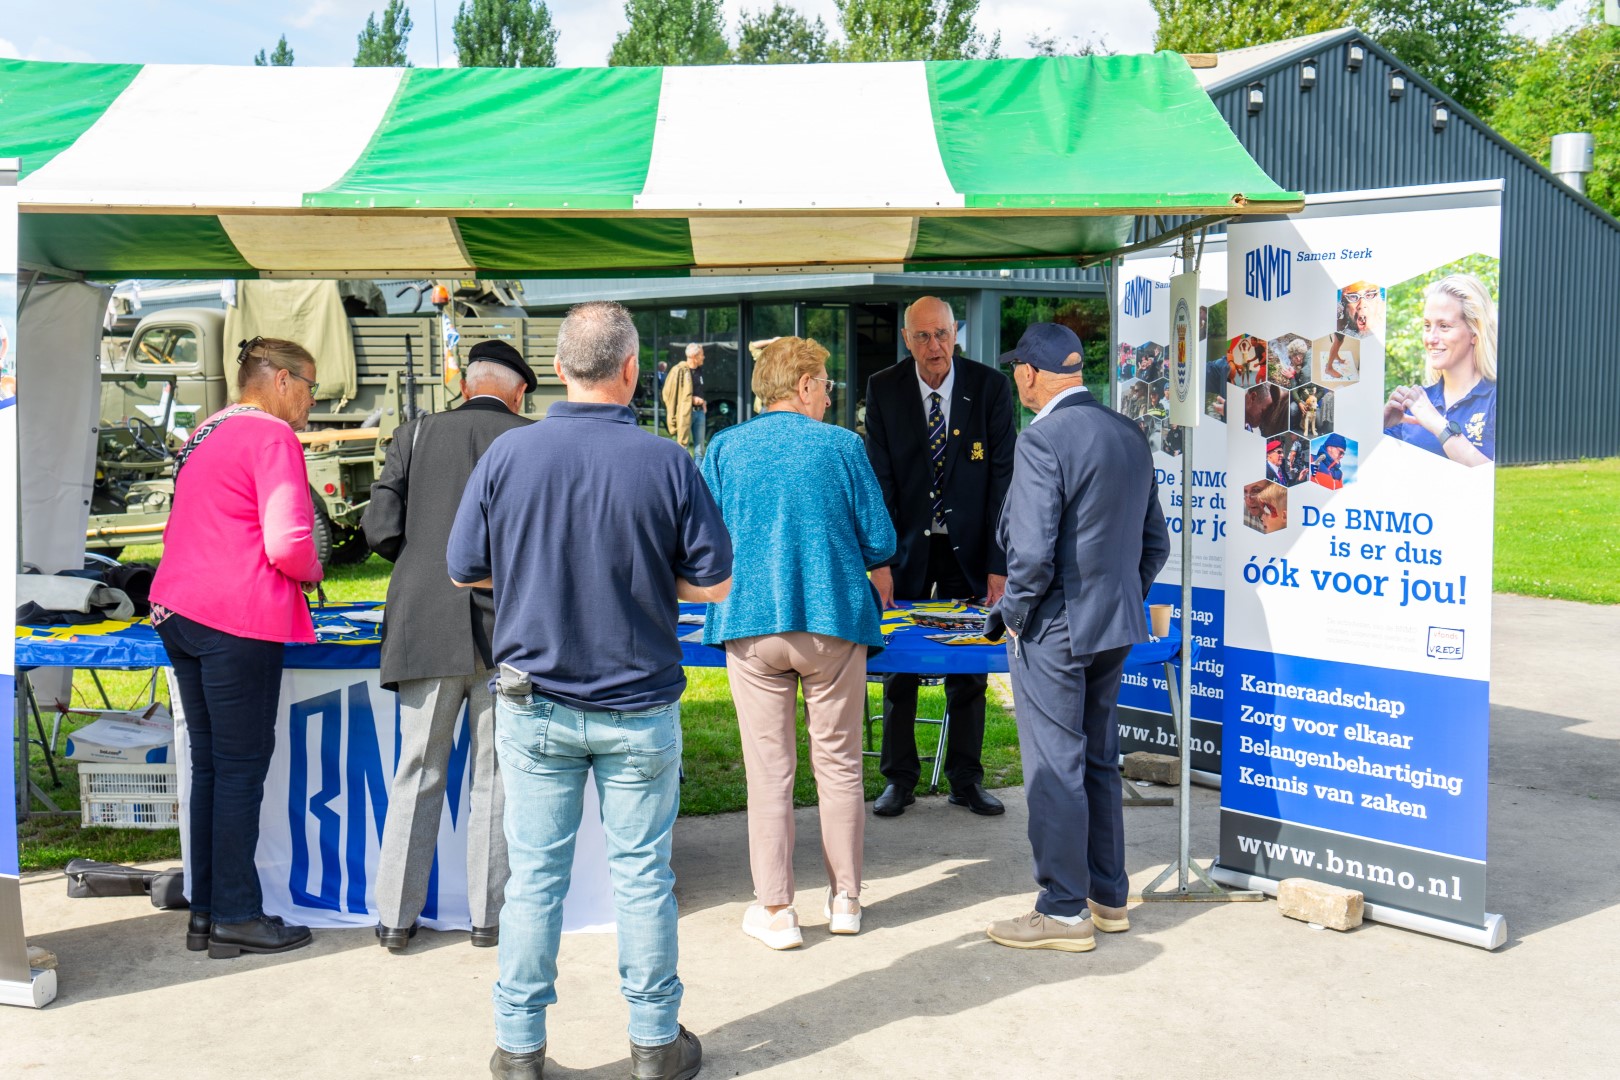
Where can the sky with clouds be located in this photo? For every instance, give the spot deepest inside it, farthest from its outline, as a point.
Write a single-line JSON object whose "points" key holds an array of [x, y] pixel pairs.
{"points": [[323, 32]]}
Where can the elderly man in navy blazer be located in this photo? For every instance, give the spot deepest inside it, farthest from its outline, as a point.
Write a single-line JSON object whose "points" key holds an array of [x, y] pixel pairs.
{"points": [[1084, 538]]}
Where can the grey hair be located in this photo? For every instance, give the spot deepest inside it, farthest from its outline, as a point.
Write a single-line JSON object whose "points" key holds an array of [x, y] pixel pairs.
{"points": [[693, 349], [594, 341], [486, 374]]}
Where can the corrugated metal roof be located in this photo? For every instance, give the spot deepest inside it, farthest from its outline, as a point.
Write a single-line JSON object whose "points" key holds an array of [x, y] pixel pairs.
{"points": [[1234, 65]]}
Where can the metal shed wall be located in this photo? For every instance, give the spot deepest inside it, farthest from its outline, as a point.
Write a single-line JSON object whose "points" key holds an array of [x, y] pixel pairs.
{"points": [[1560, 364]]}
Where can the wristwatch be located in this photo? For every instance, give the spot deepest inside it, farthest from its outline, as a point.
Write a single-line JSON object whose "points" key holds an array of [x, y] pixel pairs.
{"points": [[1451, 428]]}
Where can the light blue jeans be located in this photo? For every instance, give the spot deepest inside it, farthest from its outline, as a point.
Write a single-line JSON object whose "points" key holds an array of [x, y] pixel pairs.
{"points": [[546, 750]]}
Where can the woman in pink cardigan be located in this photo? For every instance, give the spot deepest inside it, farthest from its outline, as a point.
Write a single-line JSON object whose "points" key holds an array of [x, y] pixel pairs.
{"points": [[237, 552]]}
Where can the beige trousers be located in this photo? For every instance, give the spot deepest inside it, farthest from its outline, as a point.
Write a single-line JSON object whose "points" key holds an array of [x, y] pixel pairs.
{"points": [[766, 674]]}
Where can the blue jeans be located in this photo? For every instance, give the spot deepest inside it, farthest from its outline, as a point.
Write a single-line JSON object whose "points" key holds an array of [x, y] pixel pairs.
{"points": [[545, 750], [229, 687], [700, 423]]}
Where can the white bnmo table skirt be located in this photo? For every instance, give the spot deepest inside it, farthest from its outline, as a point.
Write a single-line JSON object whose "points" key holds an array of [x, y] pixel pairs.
{"points": [[326, 797]]}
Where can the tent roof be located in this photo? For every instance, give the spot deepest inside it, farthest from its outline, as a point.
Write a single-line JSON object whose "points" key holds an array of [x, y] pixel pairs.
{"points": [[172, 171]]}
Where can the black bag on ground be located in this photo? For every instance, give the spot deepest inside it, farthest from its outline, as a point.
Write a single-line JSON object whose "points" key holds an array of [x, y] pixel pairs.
{"points": [[87, 877], [169, 889]]}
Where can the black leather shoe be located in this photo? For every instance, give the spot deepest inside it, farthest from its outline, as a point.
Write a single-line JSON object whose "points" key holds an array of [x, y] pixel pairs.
{"points": [[197, 930], [678, 1060], [394, 938], [486, 937], [506, 1065], [893, 801], [266, 934], [978, 800]]}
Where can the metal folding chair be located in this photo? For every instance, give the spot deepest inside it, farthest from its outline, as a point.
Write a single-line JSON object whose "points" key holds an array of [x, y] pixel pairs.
{"points": [[943, 723]]}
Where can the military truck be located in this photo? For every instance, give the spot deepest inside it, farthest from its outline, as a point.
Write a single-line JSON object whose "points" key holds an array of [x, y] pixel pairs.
{"points": [[178, 369]]}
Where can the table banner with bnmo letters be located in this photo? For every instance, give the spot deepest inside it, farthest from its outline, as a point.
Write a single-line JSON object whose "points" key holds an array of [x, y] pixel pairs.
{"points": [[1143, 392], [326, 800], [1361, 438]]}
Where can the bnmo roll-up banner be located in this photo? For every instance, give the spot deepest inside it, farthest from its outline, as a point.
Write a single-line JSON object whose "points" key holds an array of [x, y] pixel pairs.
{"points": [[1361, 433], [18, 985], [1141, 375]]}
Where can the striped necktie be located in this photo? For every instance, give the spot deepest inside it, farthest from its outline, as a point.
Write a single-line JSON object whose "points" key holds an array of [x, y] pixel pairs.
{"points": [[936, 450]]}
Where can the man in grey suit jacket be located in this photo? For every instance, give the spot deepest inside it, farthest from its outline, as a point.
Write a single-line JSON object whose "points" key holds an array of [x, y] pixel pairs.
{"points": [[436, 646], [1084, 538]]}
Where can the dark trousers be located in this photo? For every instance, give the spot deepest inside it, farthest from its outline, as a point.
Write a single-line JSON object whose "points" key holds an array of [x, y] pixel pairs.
{"points": [[1069, 735], [964, 697], [229, 688]]}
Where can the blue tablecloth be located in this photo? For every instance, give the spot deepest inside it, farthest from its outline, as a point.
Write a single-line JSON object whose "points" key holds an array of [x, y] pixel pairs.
{"points": [[347, 643]]}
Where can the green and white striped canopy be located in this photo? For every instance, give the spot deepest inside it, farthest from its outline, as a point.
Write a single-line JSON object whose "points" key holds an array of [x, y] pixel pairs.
{"points": [[173, 171]]}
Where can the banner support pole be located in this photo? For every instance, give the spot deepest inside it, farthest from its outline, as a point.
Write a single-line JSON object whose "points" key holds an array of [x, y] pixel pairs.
{"points": [[1185, 868]]}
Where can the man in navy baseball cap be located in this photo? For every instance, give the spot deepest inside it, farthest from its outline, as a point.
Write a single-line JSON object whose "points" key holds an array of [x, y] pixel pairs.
{"points": [[1049, 347]]}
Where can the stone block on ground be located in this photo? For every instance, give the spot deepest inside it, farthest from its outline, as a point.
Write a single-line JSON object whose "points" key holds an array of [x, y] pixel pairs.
{"points": [[1158, 768], [1318, 902]]}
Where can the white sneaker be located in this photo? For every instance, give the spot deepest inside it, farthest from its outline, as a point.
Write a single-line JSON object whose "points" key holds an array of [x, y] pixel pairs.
{"points": [[843, 913], [779, 931]]}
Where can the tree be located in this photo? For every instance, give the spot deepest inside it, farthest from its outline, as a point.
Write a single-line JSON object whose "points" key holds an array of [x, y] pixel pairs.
{"points": [[504, 33], [282, 57], [671, 33], [1571, 83], [1046, 43], [912, 30], [384, 45], [780, 36], [1459, 45]]}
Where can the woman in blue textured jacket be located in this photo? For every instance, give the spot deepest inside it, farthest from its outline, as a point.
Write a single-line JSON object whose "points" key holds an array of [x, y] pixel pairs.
{"points": [[806, 519]]}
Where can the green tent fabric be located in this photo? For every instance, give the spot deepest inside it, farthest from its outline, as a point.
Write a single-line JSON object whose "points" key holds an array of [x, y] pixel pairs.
{"points": [[179, 170]]}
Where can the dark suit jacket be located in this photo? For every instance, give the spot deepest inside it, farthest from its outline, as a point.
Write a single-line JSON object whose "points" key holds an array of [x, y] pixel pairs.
{"points": [[432, 628], [978, 468], [1082, 528]]}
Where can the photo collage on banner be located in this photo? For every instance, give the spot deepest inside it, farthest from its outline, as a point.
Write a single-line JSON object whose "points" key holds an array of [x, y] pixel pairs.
{"points": [[1362, 433], [1141, 378]]}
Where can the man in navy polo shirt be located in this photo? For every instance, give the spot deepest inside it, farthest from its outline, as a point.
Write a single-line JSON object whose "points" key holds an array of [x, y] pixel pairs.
{"points": [[589, 530]]}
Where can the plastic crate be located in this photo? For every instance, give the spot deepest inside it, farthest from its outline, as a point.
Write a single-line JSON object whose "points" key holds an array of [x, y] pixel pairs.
{"points": [[129, 796]]}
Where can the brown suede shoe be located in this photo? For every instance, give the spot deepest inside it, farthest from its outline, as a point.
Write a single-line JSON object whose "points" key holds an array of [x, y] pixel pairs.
{"points": [[1110, 920], [1036, 931]]}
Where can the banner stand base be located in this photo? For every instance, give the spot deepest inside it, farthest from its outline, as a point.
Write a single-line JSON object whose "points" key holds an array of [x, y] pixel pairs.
{"points": [[1132, 797], [38, 992], [1493, 935], [1202, 891]]}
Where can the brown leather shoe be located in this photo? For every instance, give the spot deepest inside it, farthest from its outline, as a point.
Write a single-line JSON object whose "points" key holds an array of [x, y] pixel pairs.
{"points": [[1036, 931], [1110, 920]]}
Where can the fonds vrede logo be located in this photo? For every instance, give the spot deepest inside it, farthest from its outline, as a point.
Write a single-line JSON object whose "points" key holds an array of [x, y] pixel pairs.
{"points": [[1268, 272]]}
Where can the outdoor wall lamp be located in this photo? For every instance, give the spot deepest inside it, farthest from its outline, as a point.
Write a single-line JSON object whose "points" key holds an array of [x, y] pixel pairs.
{"points": [[1307, 74], [1257, 98], [1442, 116], [1356, 56], [1397, 85]]}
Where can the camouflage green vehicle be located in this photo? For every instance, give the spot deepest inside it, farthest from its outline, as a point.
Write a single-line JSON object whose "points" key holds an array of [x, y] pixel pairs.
{"points": [[178, 370]]}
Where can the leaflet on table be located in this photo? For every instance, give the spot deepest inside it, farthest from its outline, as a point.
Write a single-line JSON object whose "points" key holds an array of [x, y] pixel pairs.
{"points": [[1358, 572], [1141, 374]]}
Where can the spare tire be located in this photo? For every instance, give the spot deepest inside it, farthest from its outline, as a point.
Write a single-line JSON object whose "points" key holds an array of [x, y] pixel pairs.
{"points": [[324, 532]]}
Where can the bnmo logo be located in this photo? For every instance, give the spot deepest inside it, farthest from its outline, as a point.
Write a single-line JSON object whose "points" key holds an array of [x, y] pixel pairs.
{"points": [[1268, 272], [1138, 297]]}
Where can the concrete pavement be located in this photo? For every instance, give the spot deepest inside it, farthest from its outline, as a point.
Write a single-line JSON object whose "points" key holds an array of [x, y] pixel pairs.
{"points": [[1193, 988]]}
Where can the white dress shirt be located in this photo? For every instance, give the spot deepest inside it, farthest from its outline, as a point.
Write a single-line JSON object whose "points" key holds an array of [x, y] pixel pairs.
{"points": [[1050, 405]]}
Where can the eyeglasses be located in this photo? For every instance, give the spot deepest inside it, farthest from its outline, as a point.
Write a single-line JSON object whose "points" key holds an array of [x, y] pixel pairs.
{"points": [[314, 387], [1357, 297], [939, 337], [831, 384]]}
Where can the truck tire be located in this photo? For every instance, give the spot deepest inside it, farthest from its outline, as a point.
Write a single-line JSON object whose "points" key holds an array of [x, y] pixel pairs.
{"points": [[350, 547], [324, 533]]}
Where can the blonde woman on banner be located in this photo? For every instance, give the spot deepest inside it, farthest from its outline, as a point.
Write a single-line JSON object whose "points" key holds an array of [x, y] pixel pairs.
{"points": [[1454, 414]]}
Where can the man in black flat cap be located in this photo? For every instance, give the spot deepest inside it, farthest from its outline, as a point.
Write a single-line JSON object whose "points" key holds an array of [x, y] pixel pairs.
{"points": [[436, 646]]}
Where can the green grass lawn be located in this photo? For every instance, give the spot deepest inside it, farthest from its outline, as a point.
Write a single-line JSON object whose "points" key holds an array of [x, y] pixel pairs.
{"points": [[1558, 531], [1557, 534]]}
